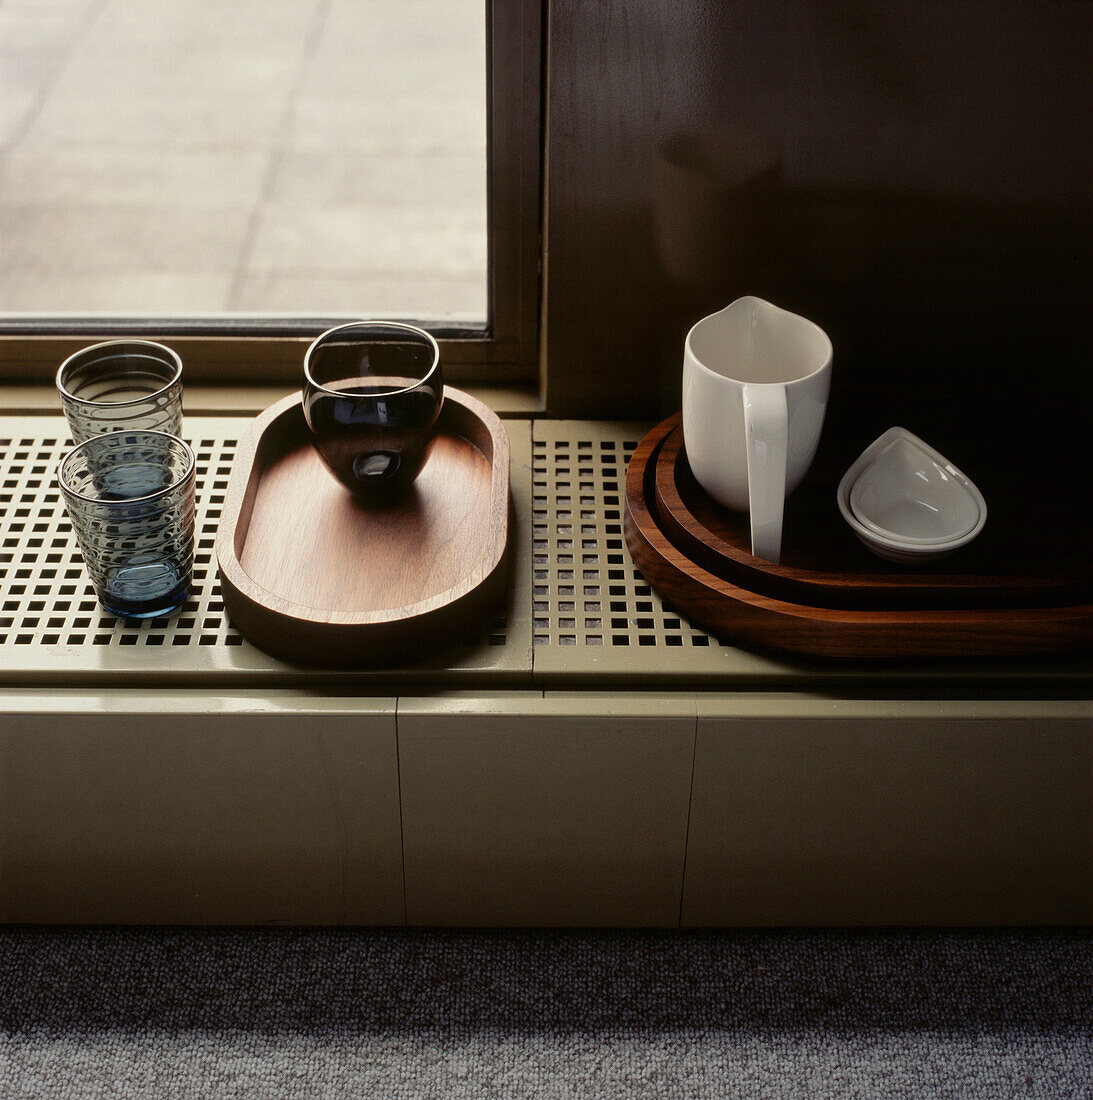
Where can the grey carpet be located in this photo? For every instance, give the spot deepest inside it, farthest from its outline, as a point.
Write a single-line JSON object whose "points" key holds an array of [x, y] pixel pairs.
{"points": [[297, 1013]]}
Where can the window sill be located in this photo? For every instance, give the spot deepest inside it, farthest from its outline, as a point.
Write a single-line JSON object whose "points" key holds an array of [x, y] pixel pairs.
{"points": [[595, 761], [580, 615]]}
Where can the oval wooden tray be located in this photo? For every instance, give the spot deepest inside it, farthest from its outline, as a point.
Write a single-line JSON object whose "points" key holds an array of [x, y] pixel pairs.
{"points": [[726, 603], [314, 577], [825, 565]]}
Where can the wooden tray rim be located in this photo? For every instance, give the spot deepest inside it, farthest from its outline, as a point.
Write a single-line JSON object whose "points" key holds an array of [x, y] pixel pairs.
{"points": [[683, 527], [823, 631], [239, 497]]}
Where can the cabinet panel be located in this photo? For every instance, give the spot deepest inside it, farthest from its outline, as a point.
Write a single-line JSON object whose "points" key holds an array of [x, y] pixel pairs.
{"points": [[960, 816], [210, 818], [556, 811]]}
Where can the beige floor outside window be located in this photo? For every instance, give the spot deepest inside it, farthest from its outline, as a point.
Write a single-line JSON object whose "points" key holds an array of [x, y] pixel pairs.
{"points": [[264, 157]]}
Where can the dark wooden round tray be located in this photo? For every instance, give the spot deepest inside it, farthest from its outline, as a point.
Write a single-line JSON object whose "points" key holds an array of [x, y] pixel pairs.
{"points": [[830, 596], [824, 564]]}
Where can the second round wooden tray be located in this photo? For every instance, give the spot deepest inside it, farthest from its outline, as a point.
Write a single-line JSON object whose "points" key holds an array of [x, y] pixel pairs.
{"points": [[828, 598], [825, 565]]}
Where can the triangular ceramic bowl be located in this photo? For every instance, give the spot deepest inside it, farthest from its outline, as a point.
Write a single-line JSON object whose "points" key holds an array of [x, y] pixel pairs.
{"points": [[903, 497]]}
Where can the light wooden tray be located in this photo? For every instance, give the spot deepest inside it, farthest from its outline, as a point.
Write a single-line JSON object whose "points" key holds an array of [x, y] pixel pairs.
{"points": [[314, 577]]}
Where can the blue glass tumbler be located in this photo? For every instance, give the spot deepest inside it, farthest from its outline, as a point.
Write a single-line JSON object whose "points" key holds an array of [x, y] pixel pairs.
{"points": [[121, 384], [131, 498]]}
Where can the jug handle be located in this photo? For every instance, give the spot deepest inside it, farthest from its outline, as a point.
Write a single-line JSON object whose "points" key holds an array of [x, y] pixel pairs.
{"points": [[766, 429]]}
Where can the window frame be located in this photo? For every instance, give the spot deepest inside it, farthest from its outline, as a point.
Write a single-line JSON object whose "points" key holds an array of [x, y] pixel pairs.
{"points": [[241, 350]]}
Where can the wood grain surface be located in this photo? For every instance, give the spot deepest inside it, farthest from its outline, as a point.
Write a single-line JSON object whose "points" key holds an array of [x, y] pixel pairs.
{"points": [[735, 610], [824, 564], [314, 576]]}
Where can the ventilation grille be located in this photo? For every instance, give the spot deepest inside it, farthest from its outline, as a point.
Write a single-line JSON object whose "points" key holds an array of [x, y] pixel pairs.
{"points": [[578, 610], [48, 599], [579, 613], [594, 615], [586, 590], [53, 628]]}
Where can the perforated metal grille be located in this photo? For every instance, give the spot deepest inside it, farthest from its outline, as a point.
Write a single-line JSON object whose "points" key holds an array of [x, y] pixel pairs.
{"points": [[594, 615], [578, 613], [586, 589], [578, 608], [49, 600], [52, 626]]}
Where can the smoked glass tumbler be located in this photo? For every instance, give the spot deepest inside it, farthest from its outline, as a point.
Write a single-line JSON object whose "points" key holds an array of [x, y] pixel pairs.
{"points": [[121, 384], [372, 396], [130, 496]]}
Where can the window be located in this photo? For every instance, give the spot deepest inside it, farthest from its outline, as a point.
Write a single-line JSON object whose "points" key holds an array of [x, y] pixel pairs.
{"points": [[289, 166]]}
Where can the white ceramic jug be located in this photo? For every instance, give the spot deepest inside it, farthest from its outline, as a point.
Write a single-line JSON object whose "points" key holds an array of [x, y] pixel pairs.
{"points": [[755, 386]]}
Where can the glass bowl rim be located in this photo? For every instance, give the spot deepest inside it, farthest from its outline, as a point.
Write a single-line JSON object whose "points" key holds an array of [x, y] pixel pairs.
{"points": [[429, 337]]}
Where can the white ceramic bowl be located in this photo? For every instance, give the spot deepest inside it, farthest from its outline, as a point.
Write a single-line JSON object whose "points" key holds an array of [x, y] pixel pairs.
{"points": [[908, 503]]}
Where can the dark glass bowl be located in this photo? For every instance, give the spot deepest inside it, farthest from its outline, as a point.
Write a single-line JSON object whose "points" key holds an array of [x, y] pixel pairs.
{"points": [[372, 396]]}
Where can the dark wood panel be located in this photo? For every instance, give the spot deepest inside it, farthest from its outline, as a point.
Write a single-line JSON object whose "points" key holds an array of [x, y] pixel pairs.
{"points": [[915, 178]]}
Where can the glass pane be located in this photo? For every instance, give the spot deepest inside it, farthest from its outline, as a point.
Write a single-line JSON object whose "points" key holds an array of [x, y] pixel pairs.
{"points": [[283, 157]]}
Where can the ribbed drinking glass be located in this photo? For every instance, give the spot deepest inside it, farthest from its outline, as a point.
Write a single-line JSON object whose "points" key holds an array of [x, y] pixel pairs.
{"points": [[131, 497], [135, 384]]}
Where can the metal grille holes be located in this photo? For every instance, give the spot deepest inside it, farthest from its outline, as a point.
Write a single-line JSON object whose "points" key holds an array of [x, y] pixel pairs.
{"points": [[47, 596], [586, 591], [579, 610]]}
